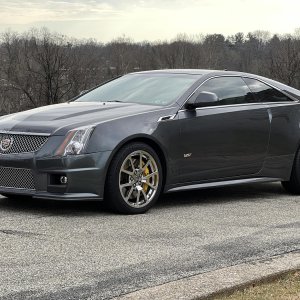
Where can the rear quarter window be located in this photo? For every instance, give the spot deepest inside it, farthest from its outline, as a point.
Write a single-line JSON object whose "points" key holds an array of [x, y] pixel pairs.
{"points": [[264, 92]]}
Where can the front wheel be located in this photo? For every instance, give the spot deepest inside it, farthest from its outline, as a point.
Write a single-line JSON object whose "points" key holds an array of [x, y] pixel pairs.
{"points": [[134, 179]]}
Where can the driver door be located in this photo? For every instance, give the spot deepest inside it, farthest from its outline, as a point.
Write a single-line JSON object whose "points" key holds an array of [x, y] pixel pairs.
{"points": [[225, 139]]}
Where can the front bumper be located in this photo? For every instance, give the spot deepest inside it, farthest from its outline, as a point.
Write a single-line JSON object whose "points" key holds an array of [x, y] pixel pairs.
{"points": [[85, 175]]}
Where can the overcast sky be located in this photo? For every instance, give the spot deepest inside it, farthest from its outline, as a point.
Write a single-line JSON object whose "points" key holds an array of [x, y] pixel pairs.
{"points": [[150, 19]]}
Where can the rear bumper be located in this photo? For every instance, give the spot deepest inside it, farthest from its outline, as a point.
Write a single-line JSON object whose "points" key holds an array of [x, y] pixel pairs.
{"points": [[85, 176]]}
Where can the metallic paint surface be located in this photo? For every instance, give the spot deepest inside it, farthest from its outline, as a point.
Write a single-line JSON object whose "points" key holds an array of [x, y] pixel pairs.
{"points": [[225, 143]]}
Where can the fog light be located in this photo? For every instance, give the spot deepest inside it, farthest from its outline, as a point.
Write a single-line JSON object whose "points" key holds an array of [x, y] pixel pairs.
{"points": [[63, 179]]}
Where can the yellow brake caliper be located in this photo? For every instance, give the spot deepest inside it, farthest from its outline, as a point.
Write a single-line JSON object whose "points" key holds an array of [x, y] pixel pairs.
{"points": [[145, 185]]}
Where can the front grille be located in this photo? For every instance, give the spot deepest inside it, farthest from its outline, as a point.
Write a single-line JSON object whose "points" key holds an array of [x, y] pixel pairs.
{"points": [[16, 178], [20, 143]]}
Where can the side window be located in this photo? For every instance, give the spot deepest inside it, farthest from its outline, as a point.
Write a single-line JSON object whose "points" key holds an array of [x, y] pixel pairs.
{"points": [[230, 90], [265, 93]]}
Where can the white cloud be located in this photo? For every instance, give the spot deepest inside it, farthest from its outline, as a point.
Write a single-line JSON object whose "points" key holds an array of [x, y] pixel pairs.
{"points": [[150, 19], [25, 12]]}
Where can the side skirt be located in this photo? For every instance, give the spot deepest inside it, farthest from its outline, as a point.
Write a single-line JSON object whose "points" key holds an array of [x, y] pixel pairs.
{"points": [[222, 183]]}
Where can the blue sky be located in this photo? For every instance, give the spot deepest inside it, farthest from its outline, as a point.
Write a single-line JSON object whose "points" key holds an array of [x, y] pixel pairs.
{"points": [[151, 19]]}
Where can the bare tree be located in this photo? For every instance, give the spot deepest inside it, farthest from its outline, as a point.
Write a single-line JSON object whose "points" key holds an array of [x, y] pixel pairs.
{"points": [[284, 56], [39, 67]]}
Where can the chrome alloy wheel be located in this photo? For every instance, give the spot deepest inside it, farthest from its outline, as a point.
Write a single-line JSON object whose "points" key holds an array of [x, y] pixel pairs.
{"points": [[138, 179]]}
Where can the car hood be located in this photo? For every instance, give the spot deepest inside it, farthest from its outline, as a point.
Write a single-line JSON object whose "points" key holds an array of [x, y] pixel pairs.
{"points": [[59, 118]]}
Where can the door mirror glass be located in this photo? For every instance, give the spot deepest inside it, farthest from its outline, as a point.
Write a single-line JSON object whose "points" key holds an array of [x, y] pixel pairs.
{"points": [[204, 99]]}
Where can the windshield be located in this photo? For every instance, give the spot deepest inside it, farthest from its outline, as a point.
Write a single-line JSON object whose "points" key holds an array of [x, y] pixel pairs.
{"points": [[155, 89]]}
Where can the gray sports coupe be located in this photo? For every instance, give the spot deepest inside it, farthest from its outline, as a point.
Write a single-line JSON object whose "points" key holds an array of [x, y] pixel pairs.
{"points": [[145, 133]]}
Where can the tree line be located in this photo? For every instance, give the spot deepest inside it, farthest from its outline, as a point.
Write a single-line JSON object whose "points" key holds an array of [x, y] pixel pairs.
{"points": [[39, 67]]}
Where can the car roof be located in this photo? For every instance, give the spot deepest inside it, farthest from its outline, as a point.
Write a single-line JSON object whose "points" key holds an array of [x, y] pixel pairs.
{"points": [[193, 72], [206, 73], [178, 71], [210, 73]]}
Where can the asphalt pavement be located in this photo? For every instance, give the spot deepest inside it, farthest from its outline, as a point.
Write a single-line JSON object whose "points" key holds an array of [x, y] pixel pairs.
{"points": [[78, 250]]}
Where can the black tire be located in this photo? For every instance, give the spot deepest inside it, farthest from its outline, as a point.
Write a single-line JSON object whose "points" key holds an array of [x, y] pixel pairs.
{"points": [[113, 196], [293, 185]]}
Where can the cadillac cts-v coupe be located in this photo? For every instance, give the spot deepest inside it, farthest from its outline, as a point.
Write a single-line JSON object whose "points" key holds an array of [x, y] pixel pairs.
{"points": [[145, 133]]}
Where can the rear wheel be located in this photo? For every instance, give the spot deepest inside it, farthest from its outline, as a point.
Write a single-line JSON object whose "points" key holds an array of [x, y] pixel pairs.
{"points": [[293, 185], [134, 179]]}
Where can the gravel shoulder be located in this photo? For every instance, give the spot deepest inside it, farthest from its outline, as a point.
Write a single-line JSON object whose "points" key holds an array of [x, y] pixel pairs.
{"points": [[283, 287], [218, 283]]}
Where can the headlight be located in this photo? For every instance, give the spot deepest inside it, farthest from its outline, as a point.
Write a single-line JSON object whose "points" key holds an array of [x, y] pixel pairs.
{"points": [[75, 141]]}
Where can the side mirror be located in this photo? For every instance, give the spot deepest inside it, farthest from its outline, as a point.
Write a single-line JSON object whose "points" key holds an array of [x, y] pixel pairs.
{"points": [[203, 99]]}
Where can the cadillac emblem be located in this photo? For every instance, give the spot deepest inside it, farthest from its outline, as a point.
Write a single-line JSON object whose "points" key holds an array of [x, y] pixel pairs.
{"points": [[6, 143]]}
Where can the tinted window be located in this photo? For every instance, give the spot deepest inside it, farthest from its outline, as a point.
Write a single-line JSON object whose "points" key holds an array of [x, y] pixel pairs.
{"points": [[230, 90], [156, 89], [265, 93]]}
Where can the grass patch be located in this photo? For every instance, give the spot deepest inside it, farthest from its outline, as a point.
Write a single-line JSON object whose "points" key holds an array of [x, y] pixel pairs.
{"points": [[286, 287]]}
